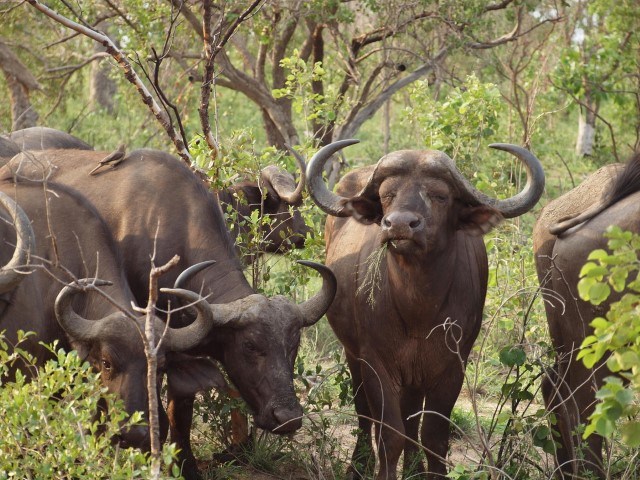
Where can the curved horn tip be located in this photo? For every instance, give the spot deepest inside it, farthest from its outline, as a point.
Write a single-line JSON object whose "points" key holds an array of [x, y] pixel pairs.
{"points": [[505, 146], [310, 264], [319, 267], [191, 271]]}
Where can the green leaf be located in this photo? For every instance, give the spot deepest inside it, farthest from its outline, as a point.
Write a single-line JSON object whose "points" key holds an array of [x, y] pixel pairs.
{"points": [[631, 434], [598, 293], [592, 270], [512, 356]]}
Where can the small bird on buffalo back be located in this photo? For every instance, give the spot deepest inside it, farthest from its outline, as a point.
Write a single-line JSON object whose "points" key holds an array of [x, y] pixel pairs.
{"points": [[113, 159]]}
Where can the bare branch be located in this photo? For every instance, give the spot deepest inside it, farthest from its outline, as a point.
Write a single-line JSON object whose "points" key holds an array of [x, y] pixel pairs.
{"points": [[129, 73], [151, 352], [349, 129], [210, 55]]}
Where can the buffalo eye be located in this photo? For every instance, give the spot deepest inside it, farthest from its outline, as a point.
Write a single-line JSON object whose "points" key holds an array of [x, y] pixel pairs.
{"points": [[106, 366], [439, 198], [251, 347]]}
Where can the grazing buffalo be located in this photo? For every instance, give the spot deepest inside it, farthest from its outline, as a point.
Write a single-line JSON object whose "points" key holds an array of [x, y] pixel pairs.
{"points": [[404, 239], [155, 207], [567, 230], [68, 240], [44, 138]]}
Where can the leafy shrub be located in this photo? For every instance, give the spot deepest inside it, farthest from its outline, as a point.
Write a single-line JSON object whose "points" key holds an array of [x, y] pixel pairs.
{"points": [[54, 425]]}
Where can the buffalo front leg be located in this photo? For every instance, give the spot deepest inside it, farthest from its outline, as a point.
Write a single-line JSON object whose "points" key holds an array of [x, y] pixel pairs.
{"points": [[435, 424], [363, 460], [411, 405], [383, 398], [180, 412]]}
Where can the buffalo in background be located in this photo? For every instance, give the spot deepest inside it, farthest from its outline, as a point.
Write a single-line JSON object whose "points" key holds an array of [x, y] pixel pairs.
{"points": [[275, 195], [567, 230], [152, 202], [66, 240], [45, 138], [404, 239]]}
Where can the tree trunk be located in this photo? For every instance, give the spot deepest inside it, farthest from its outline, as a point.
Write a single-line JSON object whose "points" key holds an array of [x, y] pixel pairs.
{"points": [[586, 132], [20, 82], [102, 88]]}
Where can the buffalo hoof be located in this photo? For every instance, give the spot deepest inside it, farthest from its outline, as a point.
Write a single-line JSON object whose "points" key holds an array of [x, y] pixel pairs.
{"points": [[190, 470]]}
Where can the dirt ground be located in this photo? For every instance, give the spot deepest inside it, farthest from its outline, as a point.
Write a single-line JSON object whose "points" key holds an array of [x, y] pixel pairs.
{"points": [[463, 450]]}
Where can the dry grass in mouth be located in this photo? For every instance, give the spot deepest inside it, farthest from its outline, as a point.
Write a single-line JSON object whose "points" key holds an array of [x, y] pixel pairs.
{"points": [[373, 277]]}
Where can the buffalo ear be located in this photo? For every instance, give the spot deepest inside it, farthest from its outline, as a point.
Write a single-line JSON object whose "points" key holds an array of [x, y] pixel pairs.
{"points": [[478, 220], [187, 375], [364, 209]]}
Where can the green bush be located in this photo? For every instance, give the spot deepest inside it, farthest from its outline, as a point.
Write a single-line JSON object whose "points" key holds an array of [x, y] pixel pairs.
{"points": [[54, 425]]}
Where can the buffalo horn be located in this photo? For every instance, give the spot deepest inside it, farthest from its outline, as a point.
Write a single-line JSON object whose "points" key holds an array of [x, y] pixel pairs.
{"points": [[280, 181], [189, 272], [314, 308], [75, 325], [180, 339], [328, 201], [25, 245], [525, 199]]}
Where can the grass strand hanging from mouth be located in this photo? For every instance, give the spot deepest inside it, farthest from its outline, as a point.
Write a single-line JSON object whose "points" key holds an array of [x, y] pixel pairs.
{"points": [[373, 277]]}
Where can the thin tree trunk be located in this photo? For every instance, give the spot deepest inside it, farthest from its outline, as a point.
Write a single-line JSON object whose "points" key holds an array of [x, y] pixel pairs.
{"points": [[102, 88], [586, 132], [20, 82]]}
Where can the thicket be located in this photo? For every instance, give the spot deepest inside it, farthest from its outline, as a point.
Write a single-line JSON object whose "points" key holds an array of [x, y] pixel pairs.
{"points": [[530, 91]]}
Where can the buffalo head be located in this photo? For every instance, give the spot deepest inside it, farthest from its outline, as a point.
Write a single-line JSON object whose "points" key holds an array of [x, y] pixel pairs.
{"points": [[114, 346], [416, 195], [276, 196], [261, 337]]}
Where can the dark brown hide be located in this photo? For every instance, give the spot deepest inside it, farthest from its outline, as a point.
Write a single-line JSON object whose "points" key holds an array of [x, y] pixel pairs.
{"points": [[44, 138], [8, 148], [407, 333], [153, 203], [570, 387], [72, 241]]}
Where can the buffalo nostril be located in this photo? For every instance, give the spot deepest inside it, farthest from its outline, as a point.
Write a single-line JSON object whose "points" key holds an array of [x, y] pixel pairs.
{"points": [[289, 418], [415, 224], [386, 223]]}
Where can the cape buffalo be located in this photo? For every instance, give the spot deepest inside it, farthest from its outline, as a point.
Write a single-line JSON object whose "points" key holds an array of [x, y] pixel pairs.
{"points": [[275, 196], [68, 240], [404, 238], [155, 207], [562, 243], [272, 195]]}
